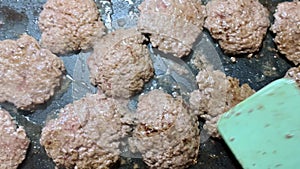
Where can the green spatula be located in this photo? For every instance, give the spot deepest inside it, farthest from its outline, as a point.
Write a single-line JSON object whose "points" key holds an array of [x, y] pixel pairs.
{"points": [[263, 131]]}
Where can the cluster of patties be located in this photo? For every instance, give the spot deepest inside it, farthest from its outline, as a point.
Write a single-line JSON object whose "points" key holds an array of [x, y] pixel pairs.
{"points": [[89, 132], [13, 142], [217, 93]]}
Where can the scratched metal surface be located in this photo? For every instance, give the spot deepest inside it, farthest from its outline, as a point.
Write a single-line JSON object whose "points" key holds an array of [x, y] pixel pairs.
{"points": [[17, 17]]}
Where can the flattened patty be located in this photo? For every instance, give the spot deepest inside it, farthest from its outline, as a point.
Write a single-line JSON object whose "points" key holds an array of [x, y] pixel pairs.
{"points": [[173, 25], [13, 142], [167, 135], [238, 25], [86, 134], [121, 63], [29, 74], [69, 25]]}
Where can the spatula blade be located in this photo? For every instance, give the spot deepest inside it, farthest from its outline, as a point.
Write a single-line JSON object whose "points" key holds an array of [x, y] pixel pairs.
{"points": [[263, 131]]}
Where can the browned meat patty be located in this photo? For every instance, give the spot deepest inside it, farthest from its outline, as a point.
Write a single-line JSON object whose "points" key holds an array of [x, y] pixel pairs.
{"points": [[167, 135], [216, 95], [173, 25], [86, 134], [13, 142], [120, 63], [29, 74], [287, 29], [69, 25], [238, 25], [294, 73]]}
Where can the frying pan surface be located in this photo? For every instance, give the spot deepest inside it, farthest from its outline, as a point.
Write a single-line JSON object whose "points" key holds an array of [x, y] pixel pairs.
{"points": [[17, 17]]}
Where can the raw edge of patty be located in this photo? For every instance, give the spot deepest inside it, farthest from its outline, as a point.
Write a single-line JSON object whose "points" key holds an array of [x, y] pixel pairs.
{"points": [[120, 63], [70, 25], [287, 28], [29, 74], [86, 134], [238, 25], [217, 93], [167, 135], [173, 25], [13, 142]]}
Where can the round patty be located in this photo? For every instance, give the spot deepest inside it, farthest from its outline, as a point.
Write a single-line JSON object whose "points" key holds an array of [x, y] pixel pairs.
{"points": [[238, 25], [216, 95], [287, 29], [173, 25], [120, 63], [86, 134], [29, 74], [69, 25], [167, 135], [13, 142]]}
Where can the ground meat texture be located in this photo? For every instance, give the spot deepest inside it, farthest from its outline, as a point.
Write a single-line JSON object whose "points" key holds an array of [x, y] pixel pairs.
{"points": [[287, 29], [238, 25], [69, 25], [86, 134], [173, 25], [294, 73], [120, 63], [216, 95], [29, 74], [13, 142], [167, 135]]}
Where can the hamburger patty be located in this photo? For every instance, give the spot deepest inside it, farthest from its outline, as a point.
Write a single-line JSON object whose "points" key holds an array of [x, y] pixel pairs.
{"points": [[13, 142], [173, 25], [69, 25], [29, 74], [120, 63], [216, 95], [167, 135], [86, 134], [287, 29], [238, 25]]}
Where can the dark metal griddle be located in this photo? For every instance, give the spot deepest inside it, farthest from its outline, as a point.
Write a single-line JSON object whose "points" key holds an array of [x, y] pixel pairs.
{"points": [[22, 16]]}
